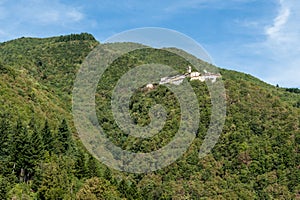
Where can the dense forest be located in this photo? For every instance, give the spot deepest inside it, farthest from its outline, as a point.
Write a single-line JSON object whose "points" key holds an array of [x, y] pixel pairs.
{"points": [[41, 156]]}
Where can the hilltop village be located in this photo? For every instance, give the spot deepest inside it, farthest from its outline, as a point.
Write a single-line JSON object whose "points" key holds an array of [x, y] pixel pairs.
{"points": [[178, 79]]}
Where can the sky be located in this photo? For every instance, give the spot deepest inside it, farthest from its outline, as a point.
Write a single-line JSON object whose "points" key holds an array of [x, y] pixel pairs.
{"points": [[259, 37]]}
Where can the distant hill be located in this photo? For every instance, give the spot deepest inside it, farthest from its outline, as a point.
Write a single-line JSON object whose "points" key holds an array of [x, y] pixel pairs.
{"points": [[37, 74], [256, 157]]}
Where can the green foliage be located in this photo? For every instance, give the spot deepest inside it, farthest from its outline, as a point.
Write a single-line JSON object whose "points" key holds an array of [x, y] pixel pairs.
{"points": [[294, 90], [74, 37], [5, 132], [81, 169], [64, 138], [57, 179], [4, 187], [48, 138], [41, 156], [97, 189], [21, 191], [92, 167]]}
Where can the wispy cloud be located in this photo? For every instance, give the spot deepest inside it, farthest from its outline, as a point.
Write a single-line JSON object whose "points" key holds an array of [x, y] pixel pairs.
{"points": [[279, 23], [283, 44], [48, 12], [273, 47], [75, 14], [37, 17]]}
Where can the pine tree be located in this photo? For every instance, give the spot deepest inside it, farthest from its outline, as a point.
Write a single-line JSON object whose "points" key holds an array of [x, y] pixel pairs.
{"points": [[4, 185], [34, 152], [36, 140], [80, 166], [107, 174], [55, 179], [38, 147], [64, 139], [48, 139], [128, 189], [92, 167], [5, 132], [97, 188], [19, 145]]}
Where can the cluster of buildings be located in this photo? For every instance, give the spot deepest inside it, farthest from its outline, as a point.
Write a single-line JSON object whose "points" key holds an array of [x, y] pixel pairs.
{"points": [[177, 80]]}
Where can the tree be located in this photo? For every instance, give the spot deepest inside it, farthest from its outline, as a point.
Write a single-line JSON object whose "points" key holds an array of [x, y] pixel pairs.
{"points": [[21, 191], [80, 165], [4, 186], [34, 151], [48, 138], [5, 133], [92, 167], [19, 146], [128, 189], [97, 189], [64, 138], [57, 180], [107, 174]]}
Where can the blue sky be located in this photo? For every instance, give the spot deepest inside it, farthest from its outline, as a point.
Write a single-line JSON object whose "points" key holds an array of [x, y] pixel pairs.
{"points": [[260, 37]]}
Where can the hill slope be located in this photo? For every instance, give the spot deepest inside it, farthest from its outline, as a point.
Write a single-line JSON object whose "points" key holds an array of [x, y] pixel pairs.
{"points": [[257, 155], [38, 73]]}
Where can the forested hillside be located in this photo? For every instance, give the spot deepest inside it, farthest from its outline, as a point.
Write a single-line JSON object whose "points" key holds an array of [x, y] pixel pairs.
{"points": [[41, 156]]}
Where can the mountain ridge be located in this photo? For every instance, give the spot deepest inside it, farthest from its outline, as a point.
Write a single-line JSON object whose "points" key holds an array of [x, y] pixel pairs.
{"points": [[257, 155]]}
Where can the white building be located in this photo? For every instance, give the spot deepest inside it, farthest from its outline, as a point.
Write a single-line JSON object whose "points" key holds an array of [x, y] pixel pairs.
{"points": [[150, 86], [189, 69], [176, 80], [207, 76], [194, 74]]}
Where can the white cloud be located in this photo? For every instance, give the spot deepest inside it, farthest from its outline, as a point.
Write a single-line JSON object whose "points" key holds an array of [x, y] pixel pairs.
{"points": [[48, 12], [285, 31], [283, 44], [279, 23], [57, 15], [273, 55], [75, 15], [50, 16], [37, 18]]}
